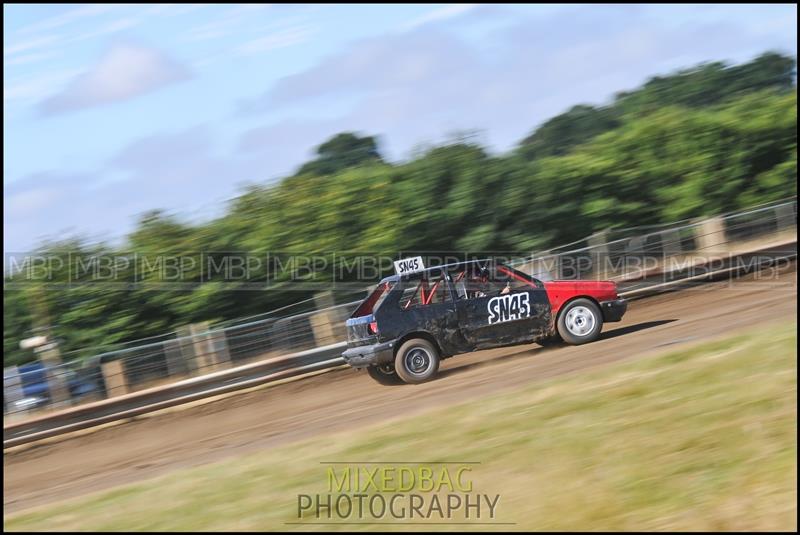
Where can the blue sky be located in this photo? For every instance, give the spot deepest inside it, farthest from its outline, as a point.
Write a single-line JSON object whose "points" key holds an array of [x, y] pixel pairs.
{"points": [[111, 110]]}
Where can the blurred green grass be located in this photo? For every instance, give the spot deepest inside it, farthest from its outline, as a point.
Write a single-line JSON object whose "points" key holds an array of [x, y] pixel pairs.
{"points": [[700, 438]]}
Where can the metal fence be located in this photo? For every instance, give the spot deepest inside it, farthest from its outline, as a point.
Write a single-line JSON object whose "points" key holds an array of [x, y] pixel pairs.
{"points": [[192, 351], [644, 256], [635, 258]]}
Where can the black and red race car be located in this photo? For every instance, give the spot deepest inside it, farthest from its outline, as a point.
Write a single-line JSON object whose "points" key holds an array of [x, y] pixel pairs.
{"points": [[417, 317]]}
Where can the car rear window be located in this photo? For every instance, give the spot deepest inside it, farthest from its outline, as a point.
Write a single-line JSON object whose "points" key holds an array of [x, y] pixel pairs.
{"points": [[374, 300]]}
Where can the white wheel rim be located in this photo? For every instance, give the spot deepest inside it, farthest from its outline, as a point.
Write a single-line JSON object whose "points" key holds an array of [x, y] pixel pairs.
{"points": [[580, 321], [418, 361]]}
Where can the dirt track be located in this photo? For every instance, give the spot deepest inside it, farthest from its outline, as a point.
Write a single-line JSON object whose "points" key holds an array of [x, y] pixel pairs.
{"points": [[345, 399]]}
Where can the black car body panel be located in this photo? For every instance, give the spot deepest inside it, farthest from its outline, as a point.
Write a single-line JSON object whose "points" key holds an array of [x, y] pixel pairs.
{"points": [[366, 355], [457, 323], [465, 307], [613, 310]]}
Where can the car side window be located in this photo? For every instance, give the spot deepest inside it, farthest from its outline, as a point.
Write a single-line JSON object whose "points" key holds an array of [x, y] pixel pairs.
{"points": [[516, 280], [423, 289], [504, 282], [471, 281], [474, 281]]}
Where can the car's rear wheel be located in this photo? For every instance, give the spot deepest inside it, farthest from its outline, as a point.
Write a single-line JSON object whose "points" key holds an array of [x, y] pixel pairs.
{"points": [[384, 374], [580, 322], [416, 361]]}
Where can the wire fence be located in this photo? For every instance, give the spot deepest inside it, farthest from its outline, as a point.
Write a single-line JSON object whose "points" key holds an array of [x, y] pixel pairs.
{"points": [[612, 255], [192, 351], [631, 257]]}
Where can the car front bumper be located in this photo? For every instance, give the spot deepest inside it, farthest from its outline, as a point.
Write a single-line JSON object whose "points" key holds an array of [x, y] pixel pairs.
{"points": [[376, 354], [613, 310]]}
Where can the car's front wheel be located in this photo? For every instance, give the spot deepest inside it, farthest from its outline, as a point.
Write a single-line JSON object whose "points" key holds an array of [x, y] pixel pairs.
{"points": [[580, 322], [384, 374], [417, 361]]}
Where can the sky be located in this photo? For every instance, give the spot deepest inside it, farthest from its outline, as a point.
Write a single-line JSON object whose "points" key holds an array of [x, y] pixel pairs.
{"points": [[113, 110]]}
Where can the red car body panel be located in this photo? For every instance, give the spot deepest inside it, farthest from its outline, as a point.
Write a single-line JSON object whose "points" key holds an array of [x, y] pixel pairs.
{"points": [[560, 292]]}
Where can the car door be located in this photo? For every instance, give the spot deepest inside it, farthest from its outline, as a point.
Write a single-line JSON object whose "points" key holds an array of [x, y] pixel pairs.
{"points": [[426, 305], [499, 306]]}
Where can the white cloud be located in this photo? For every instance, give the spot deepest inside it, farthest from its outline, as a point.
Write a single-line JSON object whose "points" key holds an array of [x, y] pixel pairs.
{"points": [[394, 62], [27, 203], [230, 22], [28, 58], [26, 46], [73, 15], [416, 86], [280, 39], [114, 26], [37, 41], [124, 72], [36, 87], [47, 46], [176, 171], [443, 13], [171, 10]]}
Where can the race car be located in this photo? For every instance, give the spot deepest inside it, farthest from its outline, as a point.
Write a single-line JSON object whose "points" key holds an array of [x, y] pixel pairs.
{"points": [[419, 316]]}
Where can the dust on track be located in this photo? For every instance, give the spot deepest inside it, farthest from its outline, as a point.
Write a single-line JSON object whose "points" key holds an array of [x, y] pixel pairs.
{"points": [[344, 399]]}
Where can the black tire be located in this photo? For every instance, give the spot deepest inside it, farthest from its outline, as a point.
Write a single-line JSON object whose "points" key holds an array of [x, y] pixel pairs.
{"points": [[416, 361], [580, 322], [385, 375]]}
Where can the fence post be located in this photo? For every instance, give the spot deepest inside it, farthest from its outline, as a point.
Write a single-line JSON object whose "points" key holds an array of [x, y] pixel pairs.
{"points": [[218, 344], [635, 245], [598, 242], [323, 322], [201, 350], [671, 242], [115, 379], [187, 348], [176, 365], [710, 234], [786, 217], [203, 355]]}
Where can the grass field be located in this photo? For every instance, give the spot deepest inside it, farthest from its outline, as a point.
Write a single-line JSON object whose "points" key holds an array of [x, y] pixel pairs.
{"points": [[700, 438]]}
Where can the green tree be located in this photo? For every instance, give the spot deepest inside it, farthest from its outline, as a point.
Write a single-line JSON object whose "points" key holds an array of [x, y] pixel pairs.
{"points": [[564, 132], [707, 140], [342, 151]]}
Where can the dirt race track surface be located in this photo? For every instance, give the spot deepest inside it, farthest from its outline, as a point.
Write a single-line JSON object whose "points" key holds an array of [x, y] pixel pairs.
{"points": [[344, 399]]}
